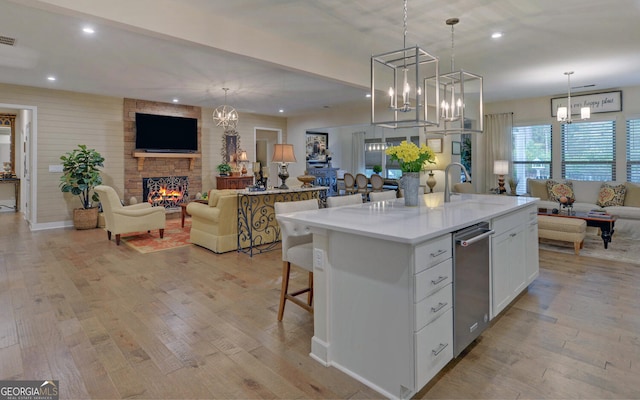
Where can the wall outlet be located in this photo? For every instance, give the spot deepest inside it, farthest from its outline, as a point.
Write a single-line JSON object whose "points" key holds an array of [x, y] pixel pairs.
{"points": [[318, 258]]}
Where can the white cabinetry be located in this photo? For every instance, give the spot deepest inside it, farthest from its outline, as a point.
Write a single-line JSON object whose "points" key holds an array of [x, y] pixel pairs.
{"points": [[433, 301], [514, 257]]}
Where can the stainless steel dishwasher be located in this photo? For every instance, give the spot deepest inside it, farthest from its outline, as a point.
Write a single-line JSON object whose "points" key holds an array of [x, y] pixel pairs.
{"points": [[470, 284]]}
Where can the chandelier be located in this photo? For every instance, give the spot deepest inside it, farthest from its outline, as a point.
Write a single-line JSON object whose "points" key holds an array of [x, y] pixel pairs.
{"points": [[460, 96], [563, 113], [399, 96], [225, 116]]}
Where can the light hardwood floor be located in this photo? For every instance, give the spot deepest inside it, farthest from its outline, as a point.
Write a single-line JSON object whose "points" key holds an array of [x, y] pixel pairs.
{"points": [[109, 322]]}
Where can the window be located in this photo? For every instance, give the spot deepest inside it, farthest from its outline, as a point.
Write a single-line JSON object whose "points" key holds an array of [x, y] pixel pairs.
{"points": [[588, 151], [531, 154], [373, 153], [633, 150], [393, 167]]}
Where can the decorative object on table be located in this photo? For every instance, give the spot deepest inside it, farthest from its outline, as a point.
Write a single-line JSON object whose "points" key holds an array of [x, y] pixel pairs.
{"points": [[80, 175], [563, 115], [501, 168], [283, 154], [242, 159], [224, 169], [377, 169], [566, 203], [6, 169], [403, 74], [224, 115], [306, 180], [513, 185], [412, 160], [460, 94]]}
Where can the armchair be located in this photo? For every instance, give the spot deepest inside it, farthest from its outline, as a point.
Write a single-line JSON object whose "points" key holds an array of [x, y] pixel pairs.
{"points": [[126, 219]]}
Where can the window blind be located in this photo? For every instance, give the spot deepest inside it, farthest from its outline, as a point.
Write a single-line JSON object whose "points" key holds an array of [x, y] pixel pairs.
{"points": [[633, 150], [531, 153], [588, 151]]}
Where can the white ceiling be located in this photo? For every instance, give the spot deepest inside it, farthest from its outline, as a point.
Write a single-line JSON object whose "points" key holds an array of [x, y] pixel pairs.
{"points": [[303, 55]]}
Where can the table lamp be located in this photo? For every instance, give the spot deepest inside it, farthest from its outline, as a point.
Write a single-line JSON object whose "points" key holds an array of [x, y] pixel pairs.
{"points": [[431, 180], [243, 159], [501, 168], [283, 154]]}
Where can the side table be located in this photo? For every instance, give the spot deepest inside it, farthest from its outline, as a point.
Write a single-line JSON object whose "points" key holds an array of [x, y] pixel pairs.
{"points": [[183, 209]]}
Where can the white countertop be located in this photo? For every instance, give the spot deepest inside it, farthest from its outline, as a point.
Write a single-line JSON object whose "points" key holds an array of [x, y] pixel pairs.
{"points": [[391, 220]]}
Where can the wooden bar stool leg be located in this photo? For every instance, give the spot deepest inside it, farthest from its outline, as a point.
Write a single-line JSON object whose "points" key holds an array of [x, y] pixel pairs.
{"points": [[286, 269]]}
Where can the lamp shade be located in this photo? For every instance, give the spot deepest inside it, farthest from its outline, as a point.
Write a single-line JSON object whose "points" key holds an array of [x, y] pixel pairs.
{"points": [[501, 167], [283, 153], [243, 156]]}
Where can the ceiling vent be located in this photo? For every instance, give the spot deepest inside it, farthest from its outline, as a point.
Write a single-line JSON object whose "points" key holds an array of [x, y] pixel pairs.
{"points": [[7, 40]]}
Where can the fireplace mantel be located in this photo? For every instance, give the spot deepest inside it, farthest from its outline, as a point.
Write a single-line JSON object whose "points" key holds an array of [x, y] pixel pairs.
{"points": [[141, 155]]}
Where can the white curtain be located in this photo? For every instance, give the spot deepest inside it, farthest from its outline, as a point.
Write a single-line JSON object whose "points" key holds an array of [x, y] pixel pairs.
{"points": [[357, 153], [497, 144]]}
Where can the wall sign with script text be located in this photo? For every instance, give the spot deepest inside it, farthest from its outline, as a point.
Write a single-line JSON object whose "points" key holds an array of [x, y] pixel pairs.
{"points": [[598, 102]]}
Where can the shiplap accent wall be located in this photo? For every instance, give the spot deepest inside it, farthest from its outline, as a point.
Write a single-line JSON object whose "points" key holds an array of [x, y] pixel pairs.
{"points": [[66, 119]]}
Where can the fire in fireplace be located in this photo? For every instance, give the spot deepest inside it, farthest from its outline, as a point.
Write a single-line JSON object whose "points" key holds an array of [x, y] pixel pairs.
{"points": [[166, 191]]}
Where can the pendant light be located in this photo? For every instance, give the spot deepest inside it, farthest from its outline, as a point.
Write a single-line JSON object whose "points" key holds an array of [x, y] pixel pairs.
{"points": [[398, 96], [563, 114]]}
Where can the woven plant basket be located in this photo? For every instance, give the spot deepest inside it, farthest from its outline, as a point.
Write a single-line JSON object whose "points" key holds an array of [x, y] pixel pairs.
{"points": [[85, 218]]}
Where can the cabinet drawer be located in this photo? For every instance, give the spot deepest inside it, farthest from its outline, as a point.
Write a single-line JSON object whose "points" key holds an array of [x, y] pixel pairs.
{"points": [[431, 253], [433, 306], [432, 279], [510, 221], [434, 348]]}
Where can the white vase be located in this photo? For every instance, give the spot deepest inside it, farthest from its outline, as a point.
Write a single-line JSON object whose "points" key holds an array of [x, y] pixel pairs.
{"points": [[410, 182]]}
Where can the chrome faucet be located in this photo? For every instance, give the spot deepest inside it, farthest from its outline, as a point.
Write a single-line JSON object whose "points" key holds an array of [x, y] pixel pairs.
{"points": [[447, 192]]}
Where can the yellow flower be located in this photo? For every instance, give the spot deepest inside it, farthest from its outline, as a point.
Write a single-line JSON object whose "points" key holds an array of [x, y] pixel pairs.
{"points": [[410, 156]]}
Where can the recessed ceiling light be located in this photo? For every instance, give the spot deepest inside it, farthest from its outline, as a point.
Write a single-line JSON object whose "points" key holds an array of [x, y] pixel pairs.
{"points": [[281, 110], [89, 30], [51, 78], [175, 100], [368, 95], [496, 35]]}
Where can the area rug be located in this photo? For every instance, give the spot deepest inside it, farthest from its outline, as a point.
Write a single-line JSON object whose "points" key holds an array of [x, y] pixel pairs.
{"points": [[621, 248], [174, 236]]}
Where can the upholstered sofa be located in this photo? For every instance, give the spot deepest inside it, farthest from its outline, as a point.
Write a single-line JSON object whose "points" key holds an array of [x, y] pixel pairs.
{"points": [[215, 225], [621, 199]]}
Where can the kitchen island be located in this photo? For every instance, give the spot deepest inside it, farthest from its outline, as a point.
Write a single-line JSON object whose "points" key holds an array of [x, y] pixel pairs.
{"points": [[383, 285]]}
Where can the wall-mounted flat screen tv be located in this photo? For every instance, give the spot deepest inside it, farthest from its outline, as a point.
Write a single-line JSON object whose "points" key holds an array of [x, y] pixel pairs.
{"points": [[163, 133]]}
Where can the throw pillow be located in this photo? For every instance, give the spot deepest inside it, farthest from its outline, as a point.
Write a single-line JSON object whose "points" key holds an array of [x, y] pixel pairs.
{"points": [[611, 195], [632, 198], [538, 188], [557, 190]]}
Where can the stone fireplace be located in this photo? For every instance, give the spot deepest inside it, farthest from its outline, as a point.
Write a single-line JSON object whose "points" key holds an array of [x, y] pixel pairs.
{"points": [[166, 191]]}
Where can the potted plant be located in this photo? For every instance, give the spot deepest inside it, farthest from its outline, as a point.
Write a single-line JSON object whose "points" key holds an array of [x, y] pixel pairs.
{"points": [[80, 174], [377, 169], [224, 169]]}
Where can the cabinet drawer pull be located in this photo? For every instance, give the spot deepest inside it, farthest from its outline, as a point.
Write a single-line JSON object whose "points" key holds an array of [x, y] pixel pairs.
{"points": [[439, 349], [513, 234], [439, 307], [437, 253], [440, 279]]}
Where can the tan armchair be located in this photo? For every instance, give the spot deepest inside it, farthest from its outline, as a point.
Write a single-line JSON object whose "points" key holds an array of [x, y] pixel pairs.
{"points": [[215, 225], [121, 219]]}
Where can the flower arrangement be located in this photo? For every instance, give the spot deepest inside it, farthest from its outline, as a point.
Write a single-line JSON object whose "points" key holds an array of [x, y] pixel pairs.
{"points": [[411, 157]]}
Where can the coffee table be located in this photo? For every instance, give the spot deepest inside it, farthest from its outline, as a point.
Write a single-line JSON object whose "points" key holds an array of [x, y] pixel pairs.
{"points": [[604, 222]]}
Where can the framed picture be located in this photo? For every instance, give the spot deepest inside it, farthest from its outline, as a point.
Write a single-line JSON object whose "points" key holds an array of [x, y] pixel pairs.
{"points": [[455, 148], [435, 145], [317, 146], [230, 145]]}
